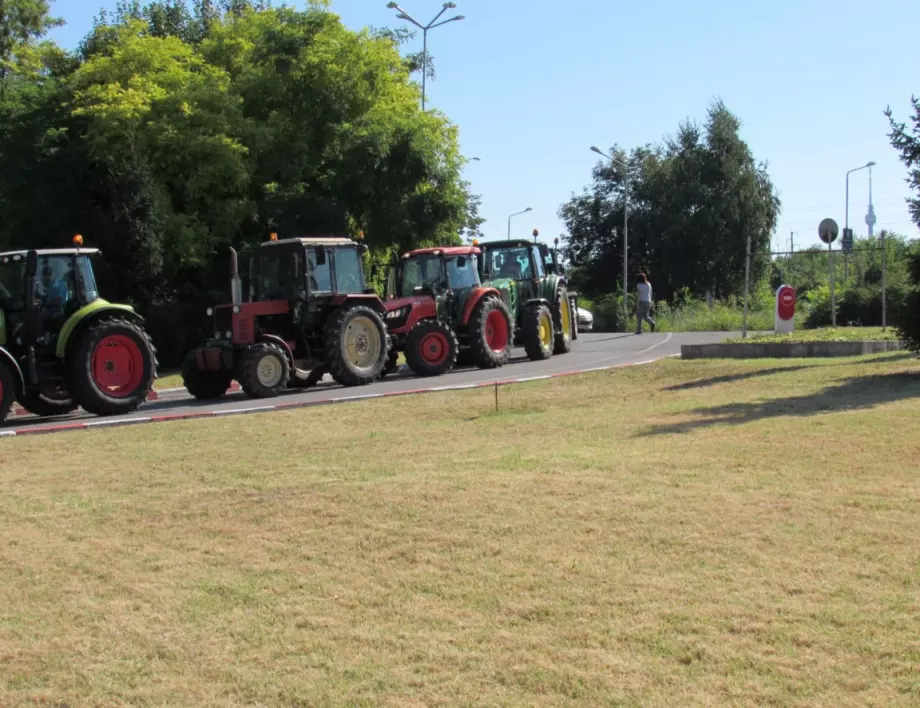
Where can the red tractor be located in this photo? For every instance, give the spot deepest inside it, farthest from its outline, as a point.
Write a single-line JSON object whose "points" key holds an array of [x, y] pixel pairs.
{"points": [[438, 309], [308, 311]]}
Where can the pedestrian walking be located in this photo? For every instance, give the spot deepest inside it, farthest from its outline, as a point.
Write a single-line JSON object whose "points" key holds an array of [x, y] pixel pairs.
{"points": [[644, 303]]}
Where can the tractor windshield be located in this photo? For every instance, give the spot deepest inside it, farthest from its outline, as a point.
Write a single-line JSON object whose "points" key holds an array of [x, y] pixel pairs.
{"points": [[12, 282], [419, 271], [349, 273], [513, 263], [277, 273], [462, 276]]}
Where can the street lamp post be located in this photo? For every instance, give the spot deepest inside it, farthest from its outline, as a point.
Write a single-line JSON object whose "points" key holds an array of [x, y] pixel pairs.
{"points": [[625, 167], [846, 220], [403, 15], [516, 214]]}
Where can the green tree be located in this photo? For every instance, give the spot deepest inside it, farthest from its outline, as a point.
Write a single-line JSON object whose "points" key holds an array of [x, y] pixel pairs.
{"points": [[693, 201]]}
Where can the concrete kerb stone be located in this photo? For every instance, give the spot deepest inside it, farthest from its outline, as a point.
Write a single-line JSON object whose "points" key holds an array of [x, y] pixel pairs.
{"points": [[787, 350], [126, 422]]}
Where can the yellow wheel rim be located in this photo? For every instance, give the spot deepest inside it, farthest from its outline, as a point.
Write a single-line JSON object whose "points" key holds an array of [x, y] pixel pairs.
{"points": [[362, 343], [566, 319], [546, 331]]}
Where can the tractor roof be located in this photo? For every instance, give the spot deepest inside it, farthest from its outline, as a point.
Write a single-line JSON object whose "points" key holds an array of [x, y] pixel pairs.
{"points": [[52, 252], [445, 250], [514, 243], [329, 241]]}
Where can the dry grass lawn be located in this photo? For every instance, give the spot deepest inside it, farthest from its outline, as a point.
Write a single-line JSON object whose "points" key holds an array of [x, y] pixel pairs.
{"points": [[689, 533]]}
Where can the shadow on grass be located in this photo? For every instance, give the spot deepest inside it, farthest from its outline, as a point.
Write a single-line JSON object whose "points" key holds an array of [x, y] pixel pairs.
{"points": [[731, 378], [860, 393]]}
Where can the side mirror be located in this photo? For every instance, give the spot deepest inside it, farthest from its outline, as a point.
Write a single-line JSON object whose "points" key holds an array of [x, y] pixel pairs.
{"points": [[461, 262], [31, 264], [320, 255], [362, 248]]}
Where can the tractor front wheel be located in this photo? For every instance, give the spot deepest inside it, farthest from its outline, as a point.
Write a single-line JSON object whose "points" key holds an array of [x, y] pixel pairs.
{"points": [[48, 403], [538, 333], [490, 331], [264, 371], [431, 348], [112, 367], [356, 345], [562, 322], [7, 391], [204, 385]]}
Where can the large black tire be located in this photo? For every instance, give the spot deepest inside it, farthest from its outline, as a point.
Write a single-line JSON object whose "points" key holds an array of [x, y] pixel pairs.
{"points": [[562, 325], [574, 302], [204, 385], [356, 345], [490, 333], [431, 348], [392, 365], [263, 370], [538, 333], [112, 367], [48, 404], [7, 391]]}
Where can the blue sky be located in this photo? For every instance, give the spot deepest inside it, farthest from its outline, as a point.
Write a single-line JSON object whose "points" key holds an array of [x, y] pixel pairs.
{"points": [[534, 84]]}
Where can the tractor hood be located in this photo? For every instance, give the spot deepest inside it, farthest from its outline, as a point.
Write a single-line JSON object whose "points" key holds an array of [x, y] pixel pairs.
{"points": [[412, 301]]}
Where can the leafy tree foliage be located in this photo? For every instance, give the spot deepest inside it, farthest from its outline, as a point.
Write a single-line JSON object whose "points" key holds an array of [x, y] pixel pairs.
{"points": [[693, 201], [907, 142], [179, 130]]}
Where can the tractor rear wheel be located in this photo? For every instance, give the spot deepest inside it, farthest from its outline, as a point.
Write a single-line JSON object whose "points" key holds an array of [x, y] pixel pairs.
{"points": [[431, 348], [112, 367], [356, 345], [562, 322], [264, 370], [490, 334], [204, 385], [538, 333], [7, 391]]}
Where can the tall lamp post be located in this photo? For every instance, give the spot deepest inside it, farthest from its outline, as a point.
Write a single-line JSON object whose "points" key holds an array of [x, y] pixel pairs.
{"points": [[516, 214], [846, 221], [625, 167], [403, 15]]}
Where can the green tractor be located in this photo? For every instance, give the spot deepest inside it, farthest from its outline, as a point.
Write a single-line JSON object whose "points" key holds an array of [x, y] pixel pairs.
{"points": [[62, 347], [307, 311], [531, 279]]}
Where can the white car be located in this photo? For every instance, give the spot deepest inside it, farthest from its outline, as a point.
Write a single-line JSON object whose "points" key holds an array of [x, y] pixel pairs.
{"points": [[585, 320]]}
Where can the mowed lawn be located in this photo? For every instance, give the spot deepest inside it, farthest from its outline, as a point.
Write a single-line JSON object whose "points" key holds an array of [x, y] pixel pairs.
{"points": [[687, 533]]}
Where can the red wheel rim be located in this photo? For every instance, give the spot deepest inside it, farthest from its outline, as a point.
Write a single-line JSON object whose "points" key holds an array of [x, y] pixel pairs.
{"points": [[434, 348], [118, 366], [497, 331]]}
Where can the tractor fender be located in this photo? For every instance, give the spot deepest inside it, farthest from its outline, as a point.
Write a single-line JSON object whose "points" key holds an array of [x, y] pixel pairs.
{"points": [[474, 298], [551, 285], [8, 360], [371, 300], [285, 347], [85, 316]]}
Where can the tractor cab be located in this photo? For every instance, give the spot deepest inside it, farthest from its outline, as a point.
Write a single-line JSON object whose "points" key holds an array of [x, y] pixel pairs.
{"points": [[521, 261]]}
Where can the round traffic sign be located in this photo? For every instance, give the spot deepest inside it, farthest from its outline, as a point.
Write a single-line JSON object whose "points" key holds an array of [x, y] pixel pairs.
{"points": [[827, 230], [785, 302]]}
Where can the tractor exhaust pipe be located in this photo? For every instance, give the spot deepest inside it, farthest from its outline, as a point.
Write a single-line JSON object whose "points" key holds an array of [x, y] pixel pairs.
{"points": [[236, 286]]}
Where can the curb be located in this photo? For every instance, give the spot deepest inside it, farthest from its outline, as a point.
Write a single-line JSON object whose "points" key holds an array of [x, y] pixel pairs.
{"points": [[788, 350], [103, 423]]}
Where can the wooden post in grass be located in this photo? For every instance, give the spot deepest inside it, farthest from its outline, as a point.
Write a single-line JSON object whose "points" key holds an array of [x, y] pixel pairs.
{"points": [[747, 284]]}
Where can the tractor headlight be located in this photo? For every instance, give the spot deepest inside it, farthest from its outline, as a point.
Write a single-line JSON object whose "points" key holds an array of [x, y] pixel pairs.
{"points": [[210, 312], [217, 335], [236, 309], [397, 314], [229, 334]]}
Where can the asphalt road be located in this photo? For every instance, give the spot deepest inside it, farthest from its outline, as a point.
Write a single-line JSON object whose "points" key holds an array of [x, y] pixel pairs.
{"points": [[589, 351]]}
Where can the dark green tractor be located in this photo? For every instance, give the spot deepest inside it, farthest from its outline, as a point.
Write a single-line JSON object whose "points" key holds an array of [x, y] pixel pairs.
{"points": [[533, 284], [61, 345]]}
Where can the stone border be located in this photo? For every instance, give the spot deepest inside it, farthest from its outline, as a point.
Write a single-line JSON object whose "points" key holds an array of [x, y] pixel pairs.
{"points": [[787, 350]]}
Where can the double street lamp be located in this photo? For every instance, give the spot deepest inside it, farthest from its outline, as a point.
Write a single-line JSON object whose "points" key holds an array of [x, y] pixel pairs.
{"points": [[516, 214], [403, 15], [625, 167]]}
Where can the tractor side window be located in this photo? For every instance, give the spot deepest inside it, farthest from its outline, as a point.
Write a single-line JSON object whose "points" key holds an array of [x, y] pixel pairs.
{"points": [[12, 283], [56, 283], [465, 277], [348, 271], [538, 262], [87, 280], [420, 271], [320, 275]]}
